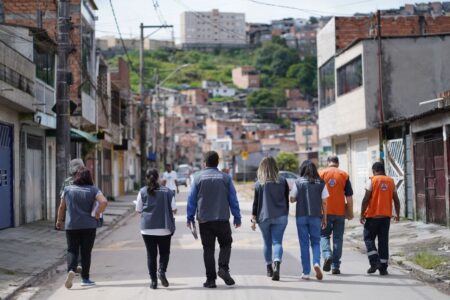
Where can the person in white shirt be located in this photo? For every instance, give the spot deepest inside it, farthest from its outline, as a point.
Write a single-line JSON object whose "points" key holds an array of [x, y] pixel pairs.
{"points": [[156, 204], [170, 178]]}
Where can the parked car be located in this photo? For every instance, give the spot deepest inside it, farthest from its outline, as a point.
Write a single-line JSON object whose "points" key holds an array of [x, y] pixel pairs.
{"points": [[289, 176]]}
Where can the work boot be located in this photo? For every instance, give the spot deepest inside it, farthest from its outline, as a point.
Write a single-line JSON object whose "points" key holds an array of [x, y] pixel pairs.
{"points": [[383, 271], [162, 277], [276, 271], [269, 270], [225, 275], [210, 283], [373, 268], [335, 271]]}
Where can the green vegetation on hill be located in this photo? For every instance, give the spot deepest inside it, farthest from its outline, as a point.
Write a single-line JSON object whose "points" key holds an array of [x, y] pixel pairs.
{"points": [[280, 68]]}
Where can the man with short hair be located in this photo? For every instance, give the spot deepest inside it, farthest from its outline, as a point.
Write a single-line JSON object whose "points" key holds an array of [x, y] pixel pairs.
{"points": [[340, 201], [211, 198], [170, 178], [376, 213]]}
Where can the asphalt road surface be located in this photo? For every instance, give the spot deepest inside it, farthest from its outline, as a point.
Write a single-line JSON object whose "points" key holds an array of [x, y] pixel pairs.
{"points": [[120, 271]]}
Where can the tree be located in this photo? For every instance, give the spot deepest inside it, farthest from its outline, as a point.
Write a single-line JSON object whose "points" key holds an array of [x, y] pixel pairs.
{"points": [[287, 162], [305, 73], [266, 98], [274, 59], [313, 20]]}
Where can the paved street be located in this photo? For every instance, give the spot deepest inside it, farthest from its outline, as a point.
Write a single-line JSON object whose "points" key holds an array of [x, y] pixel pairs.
{"points": [[119, 268]]}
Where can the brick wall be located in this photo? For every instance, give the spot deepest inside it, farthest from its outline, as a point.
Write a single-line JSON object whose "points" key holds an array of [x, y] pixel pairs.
{"points": [[349, 29], [23, 12]]}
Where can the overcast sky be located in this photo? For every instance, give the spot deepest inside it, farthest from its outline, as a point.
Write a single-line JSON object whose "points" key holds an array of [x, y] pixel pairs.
{"points": [[130, 13]]}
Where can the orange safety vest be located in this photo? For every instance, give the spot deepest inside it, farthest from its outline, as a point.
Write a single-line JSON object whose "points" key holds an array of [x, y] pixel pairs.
{"points": [[335, 179], [380, 203]]}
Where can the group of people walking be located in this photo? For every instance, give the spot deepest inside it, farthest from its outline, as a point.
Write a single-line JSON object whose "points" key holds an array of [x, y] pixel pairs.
{"points": [[322, 203]]}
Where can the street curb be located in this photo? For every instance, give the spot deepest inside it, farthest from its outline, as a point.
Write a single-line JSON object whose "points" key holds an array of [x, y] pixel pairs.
{"points": [[424, 275], [51, 271]]}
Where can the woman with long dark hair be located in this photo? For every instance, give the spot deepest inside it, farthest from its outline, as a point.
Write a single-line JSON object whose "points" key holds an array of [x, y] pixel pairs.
{"points": [[78, 203], [270, 212], [156, 204], [310, 193]]}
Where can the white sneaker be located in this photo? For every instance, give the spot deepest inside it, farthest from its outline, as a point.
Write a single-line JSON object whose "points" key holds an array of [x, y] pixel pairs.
{"points": [[69, 279], [319, 274], [305, 276]]}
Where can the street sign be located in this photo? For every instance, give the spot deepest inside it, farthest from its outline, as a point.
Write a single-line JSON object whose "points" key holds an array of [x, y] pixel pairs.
{"points": [[244, 155]]}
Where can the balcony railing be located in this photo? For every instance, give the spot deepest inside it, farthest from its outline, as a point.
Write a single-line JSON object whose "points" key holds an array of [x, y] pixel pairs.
{"points": [[16, 79]]}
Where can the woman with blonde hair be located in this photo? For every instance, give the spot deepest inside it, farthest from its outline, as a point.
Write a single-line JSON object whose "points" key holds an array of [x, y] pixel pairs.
{"points": [[270, 212]]}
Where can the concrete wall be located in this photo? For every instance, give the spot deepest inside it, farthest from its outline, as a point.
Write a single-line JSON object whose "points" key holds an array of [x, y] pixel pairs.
{"points": [[350, 107], [326, 42]]}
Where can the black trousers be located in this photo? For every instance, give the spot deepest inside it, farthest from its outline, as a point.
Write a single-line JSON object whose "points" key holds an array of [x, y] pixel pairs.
{"points": [[209, 231], [153, 243], [377, 228], [80, 241]]}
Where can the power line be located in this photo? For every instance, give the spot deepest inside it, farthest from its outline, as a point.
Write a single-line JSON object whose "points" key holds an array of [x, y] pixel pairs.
{"points": [[310, 11], [120, 36]]}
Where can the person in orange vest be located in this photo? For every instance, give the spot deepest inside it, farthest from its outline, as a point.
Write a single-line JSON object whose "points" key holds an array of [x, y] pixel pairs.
{"points": [[376, 213], [339, 206]]}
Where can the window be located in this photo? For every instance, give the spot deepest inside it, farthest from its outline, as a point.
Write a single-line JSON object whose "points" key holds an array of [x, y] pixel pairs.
{"points": [[87, 58], [326, 83], [45, 66], [350, 76]]}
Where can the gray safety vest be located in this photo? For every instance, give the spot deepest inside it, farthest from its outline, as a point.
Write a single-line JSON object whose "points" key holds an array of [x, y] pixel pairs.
{"points": [[80, 201], [213, 189], [271, 200], [309, 197], [157, 209]]}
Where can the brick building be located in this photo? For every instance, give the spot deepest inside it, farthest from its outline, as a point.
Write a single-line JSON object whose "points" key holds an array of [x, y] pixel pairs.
{"points": [[196, 96], [83, 61]]}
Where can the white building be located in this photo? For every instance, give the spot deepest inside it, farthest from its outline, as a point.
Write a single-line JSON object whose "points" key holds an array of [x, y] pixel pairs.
{"points": [[222, 91], [212, 29]]}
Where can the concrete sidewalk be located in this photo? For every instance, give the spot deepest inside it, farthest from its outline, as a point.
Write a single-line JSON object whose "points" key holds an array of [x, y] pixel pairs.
{"points": [[32, 251], [408, 238]]}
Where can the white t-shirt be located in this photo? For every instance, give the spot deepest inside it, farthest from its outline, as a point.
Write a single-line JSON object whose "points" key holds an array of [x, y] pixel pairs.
{"points": [[159, 232], [294, 192], [170, 179]]}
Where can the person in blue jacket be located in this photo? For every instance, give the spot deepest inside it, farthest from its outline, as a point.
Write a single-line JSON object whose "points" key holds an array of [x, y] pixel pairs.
{"points": [[211, 198]]}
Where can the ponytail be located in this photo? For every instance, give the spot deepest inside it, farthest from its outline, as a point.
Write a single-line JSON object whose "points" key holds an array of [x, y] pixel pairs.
{"points": [[151, 177]]}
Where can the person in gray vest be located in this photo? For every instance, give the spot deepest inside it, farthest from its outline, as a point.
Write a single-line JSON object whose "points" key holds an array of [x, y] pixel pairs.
{"points": [[310, 193], [270, 212], [211, 197], [79, 204], [156, 204]]}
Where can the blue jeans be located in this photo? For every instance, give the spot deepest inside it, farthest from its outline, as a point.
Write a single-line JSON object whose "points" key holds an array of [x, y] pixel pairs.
{"points": [[272, 231], [308, 229], [335, 226]]}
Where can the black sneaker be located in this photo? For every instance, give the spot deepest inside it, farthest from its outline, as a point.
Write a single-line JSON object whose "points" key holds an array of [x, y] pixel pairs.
{"points": [[327, 264], [225, 275], [335, 271], [210, 284], [373, 269], [383, 272], [163, 278]]}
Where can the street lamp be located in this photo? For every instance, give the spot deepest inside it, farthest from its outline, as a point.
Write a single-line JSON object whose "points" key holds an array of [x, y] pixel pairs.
{"points": [[157, 87]]}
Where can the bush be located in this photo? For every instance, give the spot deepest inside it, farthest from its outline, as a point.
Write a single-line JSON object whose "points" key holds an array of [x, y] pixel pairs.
{"points": [[287, 162]]}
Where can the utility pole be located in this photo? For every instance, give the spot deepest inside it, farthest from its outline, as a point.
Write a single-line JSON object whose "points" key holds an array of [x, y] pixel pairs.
{"points": [[143, 109], [144, 113], [62, 98], [380, 80]]}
